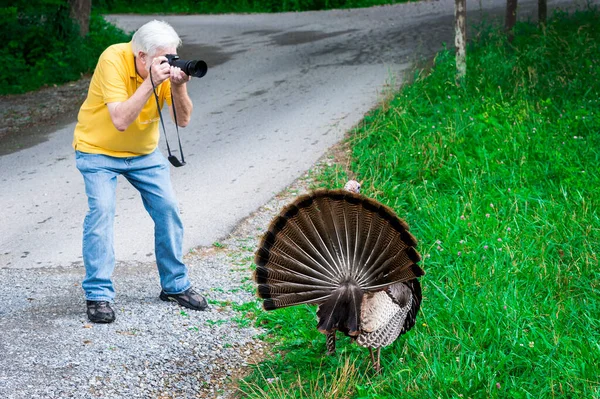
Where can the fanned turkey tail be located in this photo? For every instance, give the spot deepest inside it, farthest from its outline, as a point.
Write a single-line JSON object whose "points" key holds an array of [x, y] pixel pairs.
{"points": [[329, 247]]}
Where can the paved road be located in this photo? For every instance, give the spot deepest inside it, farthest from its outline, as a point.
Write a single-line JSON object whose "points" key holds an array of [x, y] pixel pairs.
{"points": [[281, 90]]}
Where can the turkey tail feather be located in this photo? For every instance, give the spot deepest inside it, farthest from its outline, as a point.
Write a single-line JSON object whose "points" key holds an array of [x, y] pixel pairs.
{"points": [[342, 310]]}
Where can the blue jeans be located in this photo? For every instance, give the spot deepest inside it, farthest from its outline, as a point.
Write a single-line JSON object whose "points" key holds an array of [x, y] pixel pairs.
{"points": [[150, 175]]}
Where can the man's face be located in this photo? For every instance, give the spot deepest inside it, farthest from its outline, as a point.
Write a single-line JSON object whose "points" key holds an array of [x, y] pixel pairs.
{"points": [[146, 59], [161, 53]]}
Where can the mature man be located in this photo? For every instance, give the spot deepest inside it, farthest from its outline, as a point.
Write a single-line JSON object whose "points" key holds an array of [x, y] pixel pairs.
{"points": [[117, 134]]}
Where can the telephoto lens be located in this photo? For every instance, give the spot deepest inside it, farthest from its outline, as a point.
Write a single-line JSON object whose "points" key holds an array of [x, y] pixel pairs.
{"points": [[195, 68]]}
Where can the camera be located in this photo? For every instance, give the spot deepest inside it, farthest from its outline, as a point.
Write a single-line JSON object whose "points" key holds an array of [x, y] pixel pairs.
{"points": [[195, 68]]}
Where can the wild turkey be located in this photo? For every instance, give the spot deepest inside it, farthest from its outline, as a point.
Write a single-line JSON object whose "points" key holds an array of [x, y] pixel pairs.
{"points": [[350, 255]]}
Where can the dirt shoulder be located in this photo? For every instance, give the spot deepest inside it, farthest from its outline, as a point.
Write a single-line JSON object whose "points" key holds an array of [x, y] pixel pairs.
{"points": [[27, 119]]}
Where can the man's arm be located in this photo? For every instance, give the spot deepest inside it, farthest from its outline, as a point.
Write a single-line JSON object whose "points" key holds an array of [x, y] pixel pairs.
{"points": [[124, 113], [181, 99]]}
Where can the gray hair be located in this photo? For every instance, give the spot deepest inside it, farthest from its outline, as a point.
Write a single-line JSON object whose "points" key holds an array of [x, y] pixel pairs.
{"points": [[154, 35]]}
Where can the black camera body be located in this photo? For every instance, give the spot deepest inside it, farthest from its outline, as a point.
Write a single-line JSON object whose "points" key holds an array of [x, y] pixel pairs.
{"points": [[195, 68]]}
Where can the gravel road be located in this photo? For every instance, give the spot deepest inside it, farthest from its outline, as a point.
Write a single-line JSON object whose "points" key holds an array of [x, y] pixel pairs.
{"points": [[154, 349]]}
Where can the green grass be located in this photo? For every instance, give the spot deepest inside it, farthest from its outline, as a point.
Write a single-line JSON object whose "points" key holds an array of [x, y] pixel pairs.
{"points": [[500, 182]]}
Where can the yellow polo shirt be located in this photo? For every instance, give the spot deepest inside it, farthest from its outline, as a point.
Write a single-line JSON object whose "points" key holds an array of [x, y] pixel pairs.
{"points": [[115, 80]]}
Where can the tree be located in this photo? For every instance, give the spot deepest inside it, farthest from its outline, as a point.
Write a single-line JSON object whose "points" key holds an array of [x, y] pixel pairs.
{"points": [[80, 13], [542, 11], [511, 18], [460, 38]]}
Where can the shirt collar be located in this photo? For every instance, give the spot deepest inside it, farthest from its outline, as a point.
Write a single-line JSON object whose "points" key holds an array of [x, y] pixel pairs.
{"points": [[131, 65]]}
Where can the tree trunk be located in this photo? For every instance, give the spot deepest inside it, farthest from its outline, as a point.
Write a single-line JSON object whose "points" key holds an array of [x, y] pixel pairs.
{"points": [[542, 11], [460, 38], [511, 18], [80, 12]]}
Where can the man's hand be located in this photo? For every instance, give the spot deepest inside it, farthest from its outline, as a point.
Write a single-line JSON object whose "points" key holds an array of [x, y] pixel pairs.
{"points": [[178, 77], [159, 70]]}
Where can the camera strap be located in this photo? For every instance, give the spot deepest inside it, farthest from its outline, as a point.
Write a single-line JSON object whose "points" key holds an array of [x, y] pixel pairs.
{"points": [[172, 158]]}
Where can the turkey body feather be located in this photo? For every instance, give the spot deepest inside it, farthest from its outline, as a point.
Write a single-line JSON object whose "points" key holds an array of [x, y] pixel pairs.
{"points": [[347, 253], [387, 314]]}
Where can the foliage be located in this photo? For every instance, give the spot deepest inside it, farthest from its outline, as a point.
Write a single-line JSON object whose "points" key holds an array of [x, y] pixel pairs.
{"points": [[229, 6], [42, 46], [500, 182]]}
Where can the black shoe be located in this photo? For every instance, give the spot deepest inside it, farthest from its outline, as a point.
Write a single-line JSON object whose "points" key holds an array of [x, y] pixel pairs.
{"points": [[100, 312], [188, 298]]}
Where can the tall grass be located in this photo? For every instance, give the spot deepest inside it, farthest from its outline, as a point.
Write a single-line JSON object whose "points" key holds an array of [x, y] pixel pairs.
{"points": [[500, 182], [337, 385]]}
